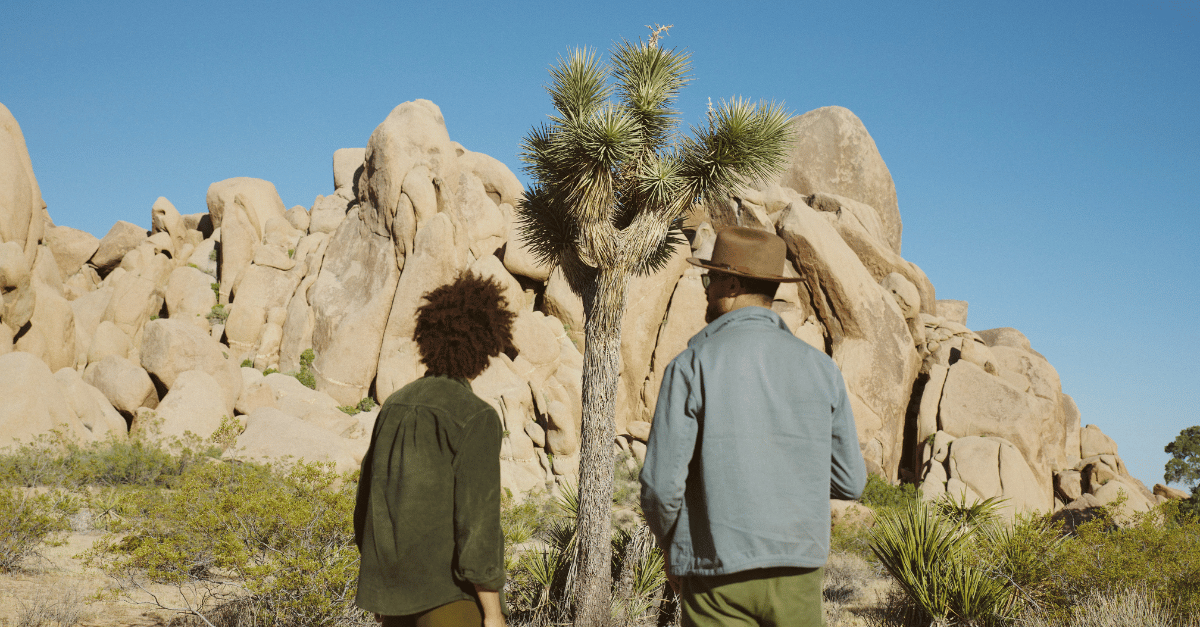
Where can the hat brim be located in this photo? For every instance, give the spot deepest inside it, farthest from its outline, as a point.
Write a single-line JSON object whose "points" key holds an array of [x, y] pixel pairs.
{"points": [[696, 261]]}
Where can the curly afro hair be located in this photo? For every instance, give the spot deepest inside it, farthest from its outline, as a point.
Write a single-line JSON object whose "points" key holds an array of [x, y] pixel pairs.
{"points": [[462, 325]]}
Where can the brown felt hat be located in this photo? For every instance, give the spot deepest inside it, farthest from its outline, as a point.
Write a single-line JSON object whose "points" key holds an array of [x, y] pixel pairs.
{"points": [[749, 253]]}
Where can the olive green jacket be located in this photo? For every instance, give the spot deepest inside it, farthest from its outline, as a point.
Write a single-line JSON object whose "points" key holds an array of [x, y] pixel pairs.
{"points": [[427, 516]]}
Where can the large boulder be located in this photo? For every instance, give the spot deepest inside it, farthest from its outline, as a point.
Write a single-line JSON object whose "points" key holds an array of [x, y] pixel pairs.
{"points": [[91, 407], [240, 207], [328, 212], [500, 386], [134, 300], [121, 238], [16, 286], [34, 402], [868, 333], [685, 318], [195, 405], [171, 347], [272, 435], [189, 296], [993, 467], [347, 166], [1093, 441], [51, 334], [125, 384], [434, 261], [351, 300], [851, 219], [165, 218], [645, 307], [834, 153], [108, 339], [71, 247], [408, 156], [21, 205], [261, 289]]}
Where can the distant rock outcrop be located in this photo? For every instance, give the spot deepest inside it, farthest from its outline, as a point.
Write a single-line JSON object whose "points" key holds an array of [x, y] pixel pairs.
{"points": [[204, 317]]}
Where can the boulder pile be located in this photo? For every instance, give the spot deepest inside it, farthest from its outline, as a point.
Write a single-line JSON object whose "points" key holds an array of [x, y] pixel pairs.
{"points": [[286, 320]]}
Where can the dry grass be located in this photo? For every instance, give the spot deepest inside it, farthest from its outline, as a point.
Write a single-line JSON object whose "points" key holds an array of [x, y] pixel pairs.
{"points": [[854, 590], [1125, 609]]}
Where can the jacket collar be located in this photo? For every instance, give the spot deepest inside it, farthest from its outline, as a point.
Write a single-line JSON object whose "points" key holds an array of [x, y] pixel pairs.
{"points": [[739, 317], [460, 380]]}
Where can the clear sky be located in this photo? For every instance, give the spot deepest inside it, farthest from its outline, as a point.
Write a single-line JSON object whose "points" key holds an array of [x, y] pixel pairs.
{"points": [[1045, 154]]}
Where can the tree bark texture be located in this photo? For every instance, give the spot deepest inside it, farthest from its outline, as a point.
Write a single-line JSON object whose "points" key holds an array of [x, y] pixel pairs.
{"points": [[603, 304]]}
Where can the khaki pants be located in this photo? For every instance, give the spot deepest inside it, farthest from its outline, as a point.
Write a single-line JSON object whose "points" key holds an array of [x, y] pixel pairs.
{"points": [[778, 597], [455, 614]]}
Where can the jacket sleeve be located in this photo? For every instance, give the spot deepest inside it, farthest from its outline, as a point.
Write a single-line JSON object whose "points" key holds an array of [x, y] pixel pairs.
{"points": [[669, 451], [848, 471], [478, 540]]}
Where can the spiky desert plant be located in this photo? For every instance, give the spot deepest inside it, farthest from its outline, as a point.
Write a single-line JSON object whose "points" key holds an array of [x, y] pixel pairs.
{"points": [[612, 180], [926, 554]]}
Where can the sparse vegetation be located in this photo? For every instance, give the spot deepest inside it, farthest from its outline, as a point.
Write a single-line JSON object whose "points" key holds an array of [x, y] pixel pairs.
{"points": [[64, 608], [305, 375], [366, 404], [276, 543], [955, 561], [879, 494], [218, 314], [29, 519]]}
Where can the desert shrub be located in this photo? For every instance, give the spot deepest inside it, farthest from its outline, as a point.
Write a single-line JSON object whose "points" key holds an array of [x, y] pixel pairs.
{"points": [[276, 542], [879, 494], [1124, 609], [218, 314], [541, 574], [1156, 553], [52, 460], [305, 375], [28, 520], [929, 556], [853, 537], [366, 404], [1023, 554]]}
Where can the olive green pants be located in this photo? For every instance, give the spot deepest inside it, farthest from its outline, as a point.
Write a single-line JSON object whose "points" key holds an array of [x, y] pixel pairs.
{"points": [[456, 614], [779, 597]]}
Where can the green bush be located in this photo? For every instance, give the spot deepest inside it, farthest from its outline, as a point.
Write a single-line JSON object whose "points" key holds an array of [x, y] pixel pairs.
{"points": [[1157, 553], [276, 543], [28, 520], [880, 494], [52, 460], [218, 314], [305, 375]]}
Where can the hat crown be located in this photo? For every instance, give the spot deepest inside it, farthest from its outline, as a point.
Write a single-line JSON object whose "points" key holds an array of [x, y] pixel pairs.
{"points": [[749, 252]]}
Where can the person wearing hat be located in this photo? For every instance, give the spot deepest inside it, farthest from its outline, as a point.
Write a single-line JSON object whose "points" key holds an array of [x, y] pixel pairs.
{"points": [[752, 435]]}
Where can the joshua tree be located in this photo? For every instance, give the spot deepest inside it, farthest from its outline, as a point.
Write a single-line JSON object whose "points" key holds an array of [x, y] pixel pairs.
{"points": [[612, 182]]}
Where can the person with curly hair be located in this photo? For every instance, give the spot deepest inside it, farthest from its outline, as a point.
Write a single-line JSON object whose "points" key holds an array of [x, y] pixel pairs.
{"points": [[427, 515]]}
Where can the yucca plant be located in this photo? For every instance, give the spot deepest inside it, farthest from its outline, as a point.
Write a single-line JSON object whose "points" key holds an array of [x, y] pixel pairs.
{"points": [[969, 513], [612, 180], [927, 555]]}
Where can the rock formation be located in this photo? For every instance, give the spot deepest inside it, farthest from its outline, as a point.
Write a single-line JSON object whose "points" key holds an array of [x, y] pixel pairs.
{"points": [[166, 332]]}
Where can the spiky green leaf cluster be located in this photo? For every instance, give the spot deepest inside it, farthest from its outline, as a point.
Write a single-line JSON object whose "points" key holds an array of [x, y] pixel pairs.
{"points": [[612, 174]]}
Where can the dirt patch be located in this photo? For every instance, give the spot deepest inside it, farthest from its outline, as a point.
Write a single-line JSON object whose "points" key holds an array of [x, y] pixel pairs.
{"points": [[58, 588]]}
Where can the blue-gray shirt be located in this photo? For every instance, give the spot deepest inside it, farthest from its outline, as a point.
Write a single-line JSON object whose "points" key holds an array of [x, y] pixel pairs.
{"points": [[752, 435]]}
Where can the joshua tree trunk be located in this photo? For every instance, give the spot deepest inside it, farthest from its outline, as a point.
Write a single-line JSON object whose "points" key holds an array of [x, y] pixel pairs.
{"points": [[603, 304]]}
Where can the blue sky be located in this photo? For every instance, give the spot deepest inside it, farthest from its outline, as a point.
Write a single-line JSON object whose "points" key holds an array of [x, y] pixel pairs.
{"points": [[1045, 154]]}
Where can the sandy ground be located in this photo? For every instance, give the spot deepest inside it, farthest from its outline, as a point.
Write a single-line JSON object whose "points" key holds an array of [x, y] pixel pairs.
{"points": [[59, 585]]}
